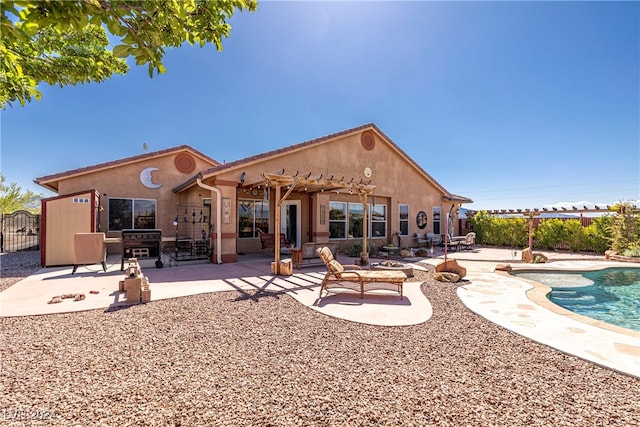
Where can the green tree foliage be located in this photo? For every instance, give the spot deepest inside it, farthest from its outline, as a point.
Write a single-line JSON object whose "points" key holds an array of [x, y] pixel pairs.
{"points": [[62, 59], [14, 198], [550, 234], [620, 232], [598, 234], [625, 230], [64, 41], [498, 231], [480, 223]]}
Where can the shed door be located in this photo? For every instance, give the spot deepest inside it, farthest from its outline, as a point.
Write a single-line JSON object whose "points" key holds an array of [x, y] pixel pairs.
{"points": [[65, 217]]}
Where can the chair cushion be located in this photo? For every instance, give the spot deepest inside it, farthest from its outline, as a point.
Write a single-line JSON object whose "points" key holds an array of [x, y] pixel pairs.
{"points": [[335, 267], [89, 248], [383, 276], [326, 255]]}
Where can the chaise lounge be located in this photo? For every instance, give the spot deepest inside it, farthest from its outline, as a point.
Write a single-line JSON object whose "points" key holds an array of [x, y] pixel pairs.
{"points": [[356, 279]]}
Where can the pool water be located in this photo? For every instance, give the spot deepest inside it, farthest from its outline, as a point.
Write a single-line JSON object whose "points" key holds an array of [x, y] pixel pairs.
{"points": [[611, 295]]}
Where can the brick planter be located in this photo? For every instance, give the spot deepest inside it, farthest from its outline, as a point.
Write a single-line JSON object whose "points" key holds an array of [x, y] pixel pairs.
{"points": [[611, 255]]}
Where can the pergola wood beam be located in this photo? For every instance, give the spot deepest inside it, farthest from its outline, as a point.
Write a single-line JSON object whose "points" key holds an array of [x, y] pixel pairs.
{"points": [[310, 184], [539, 212]]}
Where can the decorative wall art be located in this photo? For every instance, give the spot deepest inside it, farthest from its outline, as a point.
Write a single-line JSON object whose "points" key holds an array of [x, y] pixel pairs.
{"points": [[226, 210]]}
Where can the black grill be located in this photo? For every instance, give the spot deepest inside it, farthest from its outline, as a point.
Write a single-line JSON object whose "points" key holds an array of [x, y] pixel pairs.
{"points": [[141, 239]]}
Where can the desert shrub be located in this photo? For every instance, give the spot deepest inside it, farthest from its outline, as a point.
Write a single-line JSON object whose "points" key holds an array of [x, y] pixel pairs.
{"points": [[481, 224], [595, 239], [549, 234], [499, 231], [422, 253], [633, 252], [356, 249], [516, 232], [574, 235], [619, 232], [625, 230]]}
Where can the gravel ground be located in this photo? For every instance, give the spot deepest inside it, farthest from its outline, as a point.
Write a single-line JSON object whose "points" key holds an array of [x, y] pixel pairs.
{"points": [[234, 359], [15, 266]]}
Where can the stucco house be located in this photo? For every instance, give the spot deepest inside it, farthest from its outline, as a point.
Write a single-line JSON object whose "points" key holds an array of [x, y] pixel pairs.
{"points": [[314, 191]]}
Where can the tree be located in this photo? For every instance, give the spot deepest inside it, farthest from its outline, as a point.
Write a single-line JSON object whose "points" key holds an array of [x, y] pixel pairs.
{"points": [[14, 198], [64, 41], [625, 229]]}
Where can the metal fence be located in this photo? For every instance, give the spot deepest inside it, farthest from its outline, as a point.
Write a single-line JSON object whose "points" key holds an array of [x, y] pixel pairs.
{"points": [[20, 232]]}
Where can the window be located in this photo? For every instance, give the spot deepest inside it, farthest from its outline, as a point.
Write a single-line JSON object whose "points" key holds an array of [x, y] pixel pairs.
{"points": [[436, 220], [356, 215], [379, 221], [404, 220], [253, 217], [337, 220], [137, 214], [345, 220]]}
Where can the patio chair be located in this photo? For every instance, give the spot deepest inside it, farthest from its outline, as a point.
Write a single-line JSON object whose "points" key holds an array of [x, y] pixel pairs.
{"points": [[452, 242], [89, 248], [469, 241], [354, 278], [433, 239], [422, 239], [268, 241]]}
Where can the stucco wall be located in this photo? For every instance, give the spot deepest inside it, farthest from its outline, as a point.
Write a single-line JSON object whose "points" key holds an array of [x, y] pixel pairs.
{"points": [[396, 179], [397, 182], [123, 181]]}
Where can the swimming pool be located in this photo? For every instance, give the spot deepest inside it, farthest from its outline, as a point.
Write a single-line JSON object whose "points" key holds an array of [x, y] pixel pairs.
{"points": [[611, 295]]}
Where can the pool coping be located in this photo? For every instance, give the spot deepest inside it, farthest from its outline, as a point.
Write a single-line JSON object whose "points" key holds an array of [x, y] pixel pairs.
{"points": [[520, 306], [538, 295]]}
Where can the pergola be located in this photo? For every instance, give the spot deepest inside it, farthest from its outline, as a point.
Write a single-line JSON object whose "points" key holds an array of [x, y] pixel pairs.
{"points": [[308, 183], [538, 212], [533, 213]]}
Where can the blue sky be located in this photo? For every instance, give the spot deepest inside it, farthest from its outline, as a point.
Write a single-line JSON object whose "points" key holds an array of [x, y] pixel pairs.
{"points": [[512, 104]]}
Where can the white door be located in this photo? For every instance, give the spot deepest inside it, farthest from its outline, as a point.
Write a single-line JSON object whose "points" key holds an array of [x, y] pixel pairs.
{"points": [[290, 222]]}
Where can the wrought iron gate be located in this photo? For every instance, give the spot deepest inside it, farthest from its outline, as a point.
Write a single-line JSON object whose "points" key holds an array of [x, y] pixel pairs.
{"points": [[20, 232]]}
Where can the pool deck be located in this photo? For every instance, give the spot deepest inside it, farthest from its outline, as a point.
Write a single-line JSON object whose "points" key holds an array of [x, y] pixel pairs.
{"points": [[513, 303], [521, 306]]}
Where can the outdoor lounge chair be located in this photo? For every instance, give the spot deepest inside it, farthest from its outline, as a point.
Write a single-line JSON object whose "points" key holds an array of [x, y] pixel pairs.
{"points": [[356, 279]]}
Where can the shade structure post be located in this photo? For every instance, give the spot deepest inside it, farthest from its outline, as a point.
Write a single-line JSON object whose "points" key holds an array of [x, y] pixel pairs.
{"points": [[364, 255], [310, 184], [446, 243], [277, 233]]}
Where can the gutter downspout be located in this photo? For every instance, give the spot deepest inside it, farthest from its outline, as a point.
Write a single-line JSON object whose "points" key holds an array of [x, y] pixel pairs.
{"points": [[218, 218]]}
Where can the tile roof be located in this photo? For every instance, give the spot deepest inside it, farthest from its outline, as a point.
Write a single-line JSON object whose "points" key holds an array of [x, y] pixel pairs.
{"points": [[306, 144], [50, 181]]}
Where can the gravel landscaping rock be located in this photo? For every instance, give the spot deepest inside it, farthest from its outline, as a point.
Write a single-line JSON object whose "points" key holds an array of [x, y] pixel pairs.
{"points": [[15, 266], [238, 359]]}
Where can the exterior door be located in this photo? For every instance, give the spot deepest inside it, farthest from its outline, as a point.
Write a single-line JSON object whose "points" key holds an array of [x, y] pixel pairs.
{"points": [[290, 222]]}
